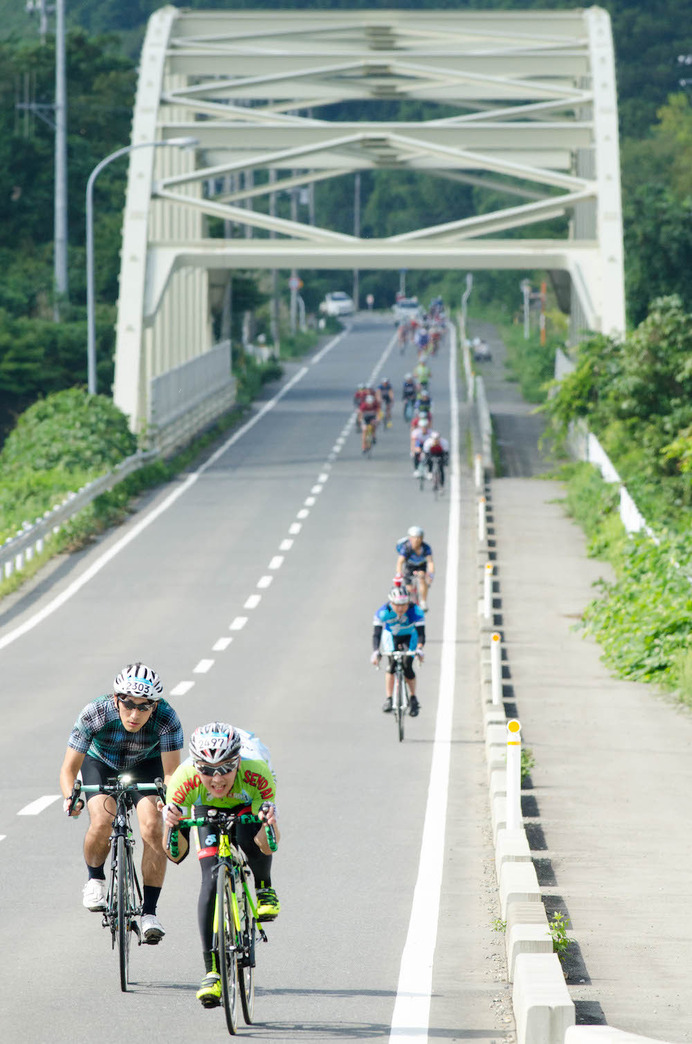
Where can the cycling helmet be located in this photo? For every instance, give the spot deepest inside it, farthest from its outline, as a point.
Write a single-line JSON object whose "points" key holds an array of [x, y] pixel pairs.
{"points": [[361, 387], [423, 423], [138, 680], [214, 743], [407, 377], [434, 434], [398, 596], [415, 531]]}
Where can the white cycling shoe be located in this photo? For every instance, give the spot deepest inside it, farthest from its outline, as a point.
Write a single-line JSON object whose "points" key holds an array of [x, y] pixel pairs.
{"points": [[152, 929], [94, 895]]}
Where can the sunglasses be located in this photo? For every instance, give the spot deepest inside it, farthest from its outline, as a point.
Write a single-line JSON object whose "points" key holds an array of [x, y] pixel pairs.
{"points": [[217, 770], [147, 705]]}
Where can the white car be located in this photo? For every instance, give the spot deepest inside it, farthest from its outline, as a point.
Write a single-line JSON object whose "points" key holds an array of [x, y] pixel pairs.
{"points": [[337, 303], [405, 309]]}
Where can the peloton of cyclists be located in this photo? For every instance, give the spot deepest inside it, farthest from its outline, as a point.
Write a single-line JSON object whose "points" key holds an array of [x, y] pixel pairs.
{"points": [[416, 557], [406, 624]]}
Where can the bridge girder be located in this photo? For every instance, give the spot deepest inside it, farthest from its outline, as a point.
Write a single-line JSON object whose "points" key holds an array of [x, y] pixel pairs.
{"points": [[534, 114]]}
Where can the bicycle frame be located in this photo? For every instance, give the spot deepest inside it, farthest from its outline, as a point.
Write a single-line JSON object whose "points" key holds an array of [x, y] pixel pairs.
{"points": [[124, 898]]}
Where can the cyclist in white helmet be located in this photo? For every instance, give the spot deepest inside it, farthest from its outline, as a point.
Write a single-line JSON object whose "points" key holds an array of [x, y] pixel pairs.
{"points": [[415, 556], [129, 730], [231, 769], [406, 625]]}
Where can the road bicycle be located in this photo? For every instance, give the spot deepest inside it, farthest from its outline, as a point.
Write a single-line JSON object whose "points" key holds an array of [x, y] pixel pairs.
{"points": [[401, 703], [124, 897], [236, 926], [368, 436], [437, 478], [409, 406]]}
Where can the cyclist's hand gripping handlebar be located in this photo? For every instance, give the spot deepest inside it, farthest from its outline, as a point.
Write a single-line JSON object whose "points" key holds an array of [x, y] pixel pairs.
{"points": [[268, 828], [73, 805]]}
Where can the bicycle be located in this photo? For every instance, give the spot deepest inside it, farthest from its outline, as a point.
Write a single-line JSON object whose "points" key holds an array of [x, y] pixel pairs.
{"points": [[409, 406], [401, 703], [124, 897], [368, 436], [437, 475], [235, 913]]}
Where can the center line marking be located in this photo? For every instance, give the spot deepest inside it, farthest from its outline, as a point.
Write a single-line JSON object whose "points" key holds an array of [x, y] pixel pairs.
{"points": [[238, 623], [303, 513], [203, 666], [295, 528], [317, 489], [253, 601], [278, 560], [310, 501], [285, 545], [181, 688], [37, 806], [264, 581], [221, 643], [323, 477]]}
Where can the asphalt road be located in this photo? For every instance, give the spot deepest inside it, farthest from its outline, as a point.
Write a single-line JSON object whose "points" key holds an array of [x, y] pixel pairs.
{"points": [[284, 543]]}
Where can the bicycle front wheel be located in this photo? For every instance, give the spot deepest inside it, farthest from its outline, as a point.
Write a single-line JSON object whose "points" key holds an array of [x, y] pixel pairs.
{"points": [[399, 703], [226, 933], [246, 958], [124, 910]]}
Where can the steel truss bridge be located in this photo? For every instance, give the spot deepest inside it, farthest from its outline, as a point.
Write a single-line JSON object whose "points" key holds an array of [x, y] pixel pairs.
{"points": [[534, 122]]}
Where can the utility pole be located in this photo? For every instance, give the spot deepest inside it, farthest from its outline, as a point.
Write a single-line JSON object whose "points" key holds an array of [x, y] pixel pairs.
{"points": [[356, 232], [61, 285]]}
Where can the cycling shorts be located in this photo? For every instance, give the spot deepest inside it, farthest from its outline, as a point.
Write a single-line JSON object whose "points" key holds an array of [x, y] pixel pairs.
{"points": [[96, 772]]}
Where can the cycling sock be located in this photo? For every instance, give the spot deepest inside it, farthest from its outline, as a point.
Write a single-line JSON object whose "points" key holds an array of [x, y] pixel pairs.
{"points": [[151, 898], [96, 873], [209, 961], [264, 884]]}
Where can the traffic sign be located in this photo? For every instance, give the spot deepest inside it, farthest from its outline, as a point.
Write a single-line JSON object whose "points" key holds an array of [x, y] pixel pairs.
{"points": [[295, 283]]}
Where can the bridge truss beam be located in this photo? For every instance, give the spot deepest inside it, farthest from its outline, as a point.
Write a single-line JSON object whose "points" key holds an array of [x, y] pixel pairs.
{"points": [[533, 115]]}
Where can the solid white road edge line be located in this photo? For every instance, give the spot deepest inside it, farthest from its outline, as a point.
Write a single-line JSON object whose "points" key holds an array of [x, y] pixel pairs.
{"points": [[139, 527], [410, 1020]]}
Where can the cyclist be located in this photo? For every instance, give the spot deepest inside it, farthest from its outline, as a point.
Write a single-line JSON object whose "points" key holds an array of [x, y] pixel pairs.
{"points": [[130, 730], [368, 412], [436, 446], [415, 556], [406, 624], [387, 399], [419, 434], [423, 402], [422, 374], [408, 389], [359, 395], [231, 769], [422, 341]]}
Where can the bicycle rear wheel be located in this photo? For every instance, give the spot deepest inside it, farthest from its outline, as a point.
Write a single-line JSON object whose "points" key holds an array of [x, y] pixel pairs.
{"points": [[226, 933], [246, 958], [437, 478], [399, 702], [124, 910]]}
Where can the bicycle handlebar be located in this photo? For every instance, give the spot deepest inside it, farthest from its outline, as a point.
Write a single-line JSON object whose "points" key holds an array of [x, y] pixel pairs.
{"points": [[121, 785], [225, 818]]}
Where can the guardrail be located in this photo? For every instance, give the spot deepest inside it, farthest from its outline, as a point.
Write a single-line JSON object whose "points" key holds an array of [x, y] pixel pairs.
{"points": [[31, 538]]}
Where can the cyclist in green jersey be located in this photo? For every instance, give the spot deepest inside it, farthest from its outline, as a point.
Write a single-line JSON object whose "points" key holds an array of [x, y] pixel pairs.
{"points": [[228, 768]]}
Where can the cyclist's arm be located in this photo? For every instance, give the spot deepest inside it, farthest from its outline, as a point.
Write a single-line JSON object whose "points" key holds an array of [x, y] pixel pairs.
{"points": [[430, 567], [70, 767], [170, 760], [172, 814], [400, 563]]}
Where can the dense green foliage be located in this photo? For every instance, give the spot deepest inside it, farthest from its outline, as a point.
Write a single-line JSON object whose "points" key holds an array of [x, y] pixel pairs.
{"points": [[636, 396], [59, 444]]}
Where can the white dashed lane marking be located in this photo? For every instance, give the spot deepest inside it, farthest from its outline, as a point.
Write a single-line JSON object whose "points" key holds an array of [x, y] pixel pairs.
{"points": [[203, 666], [295, 528], [238, 623], [253, 601], [285, 545], [278, 560], [303, 513], [310, 501], [264, 581], [37, 806], [221, 643], [316, 489], [181, 688]]}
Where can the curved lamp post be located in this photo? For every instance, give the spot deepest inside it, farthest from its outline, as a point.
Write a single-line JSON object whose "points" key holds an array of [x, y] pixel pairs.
{"points": [[181, 143]]}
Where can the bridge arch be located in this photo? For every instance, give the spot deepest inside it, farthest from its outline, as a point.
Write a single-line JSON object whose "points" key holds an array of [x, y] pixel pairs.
{"points": [[536, 118]]}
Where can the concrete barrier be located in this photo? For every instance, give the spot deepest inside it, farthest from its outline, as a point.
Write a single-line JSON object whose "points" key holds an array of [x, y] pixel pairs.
{"points": [[518, 884], [511, 846], [606, 1035], [543, 1008], [527, 931]]}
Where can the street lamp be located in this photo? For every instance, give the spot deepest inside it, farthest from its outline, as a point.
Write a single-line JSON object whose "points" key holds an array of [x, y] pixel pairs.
{"points": [[181, 143]]}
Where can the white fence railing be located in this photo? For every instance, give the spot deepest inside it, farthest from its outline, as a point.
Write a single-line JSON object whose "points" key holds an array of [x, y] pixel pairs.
{"points": [[30, 539]]}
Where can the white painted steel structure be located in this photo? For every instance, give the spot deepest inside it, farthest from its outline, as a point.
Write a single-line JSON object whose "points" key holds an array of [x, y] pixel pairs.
{"points": [[534, 119]]}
